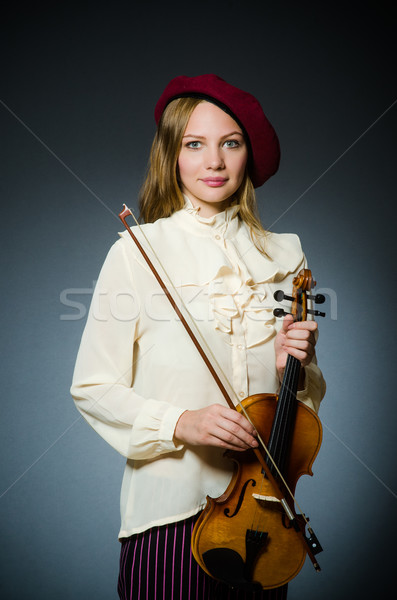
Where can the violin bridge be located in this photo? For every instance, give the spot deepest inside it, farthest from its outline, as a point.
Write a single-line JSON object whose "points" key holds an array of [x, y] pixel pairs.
{"points": [[271, 502], [265, 498]]}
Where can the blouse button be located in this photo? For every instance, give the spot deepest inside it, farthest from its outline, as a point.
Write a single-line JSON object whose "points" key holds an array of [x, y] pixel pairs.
{"points": [[217, 237], [241, 394], [240, 347]]}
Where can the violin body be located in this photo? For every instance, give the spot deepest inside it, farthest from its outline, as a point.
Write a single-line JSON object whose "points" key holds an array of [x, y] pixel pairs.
{"points": [[244, 537]]}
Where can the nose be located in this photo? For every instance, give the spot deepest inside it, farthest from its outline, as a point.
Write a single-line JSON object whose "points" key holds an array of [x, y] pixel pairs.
{"points": [[215, 159]]}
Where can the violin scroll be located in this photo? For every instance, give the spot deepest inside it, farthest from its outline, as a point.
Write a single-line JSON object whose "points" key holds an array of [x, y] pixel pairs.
{"points": [[302, 283]]}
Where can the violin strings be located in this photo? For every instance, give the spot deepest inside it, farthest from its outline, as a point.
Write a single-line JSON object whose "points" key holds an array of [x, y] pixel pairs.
{"points": [[287, 397]]}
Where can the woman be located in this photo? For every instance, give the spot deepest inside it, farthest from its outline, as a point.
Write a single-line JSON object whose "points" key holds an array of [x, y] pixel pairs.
{"points": [[139, 380]]}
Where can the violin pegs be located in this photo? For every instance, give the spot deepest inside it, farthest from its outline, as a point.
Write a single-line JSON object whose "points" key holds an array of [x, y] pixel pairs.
{"points": [[316, 313], [318, 298], [280, 312], [279, 295]]}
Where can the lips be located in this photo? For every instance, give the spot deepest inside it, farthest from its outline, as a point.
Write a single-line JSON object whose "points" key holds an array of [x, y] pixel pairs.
{"points": [[214, 181]]}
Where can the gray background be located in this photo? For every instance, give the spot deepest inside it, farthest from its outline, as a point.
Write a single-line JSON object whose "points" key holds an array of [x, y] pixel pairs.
{"points": [[78, 88]]}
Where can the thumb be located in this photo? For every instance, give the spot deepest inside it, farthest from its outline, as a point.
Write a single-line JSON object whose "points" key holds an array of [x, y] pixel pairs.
{"points": [[288, 320]]}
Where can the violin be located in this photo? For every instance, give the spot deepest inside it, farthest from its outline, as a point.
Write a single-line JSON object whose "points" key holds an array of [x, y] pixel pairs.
{"points": [[251, 536], [247, 537]]}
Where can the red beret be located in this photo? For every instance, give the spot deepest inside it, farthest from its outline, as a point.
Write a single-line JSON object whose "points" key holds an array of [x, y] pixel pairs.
{"points": [[243, 107]]}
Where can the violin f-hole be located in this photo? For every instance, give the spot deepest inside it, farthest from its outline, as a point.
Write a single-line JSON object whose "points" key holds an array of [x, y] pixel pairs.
{"points": [[240, 499]]}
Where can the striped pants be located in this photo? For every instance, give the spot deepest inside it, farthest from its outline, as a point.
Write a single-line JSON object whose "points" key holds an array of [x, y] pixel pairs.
{"points": [[158, 565]]}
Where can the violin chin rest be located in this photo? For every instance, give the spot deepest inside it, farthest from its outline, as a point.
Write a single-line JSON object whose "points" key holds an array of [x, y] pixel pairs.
{"points": [[227, 566]]}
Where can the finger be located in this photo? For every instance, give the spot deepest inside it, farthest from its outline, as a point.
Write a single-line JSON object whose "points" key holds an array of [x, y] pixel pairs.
{"points": [[287, 322], [234, 416], [240, 420], [240, 434], [237, 429], [230, 440], [303, 325], [300, 336], [302, 343], [303, 354], [230, 429]]}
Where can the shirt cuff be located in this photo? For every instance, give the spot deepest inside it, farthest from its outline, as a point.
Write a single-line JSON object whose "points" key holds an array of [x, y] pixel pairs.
{"points": [[153, 430], [314, 390]]}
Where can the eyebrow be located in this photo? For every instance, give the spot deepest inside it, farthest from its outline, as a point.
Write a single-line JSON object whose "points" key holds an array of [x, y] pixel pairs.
{"points": [[202, 137]]}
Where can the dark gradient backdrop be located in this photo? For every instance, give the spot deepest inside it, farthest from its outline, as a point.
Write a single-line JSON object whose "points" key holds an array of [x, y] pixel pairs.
{"points": [[78, 88]]}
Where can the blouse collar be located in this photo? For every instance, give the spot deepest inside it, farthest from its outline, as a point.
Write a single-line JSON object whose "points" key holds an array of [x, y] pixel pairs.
{"points": [[225, 222]]}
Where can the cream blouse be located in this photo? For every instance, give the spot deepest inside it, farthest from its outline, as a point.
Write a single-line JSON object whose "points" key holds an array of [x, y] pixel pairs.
{"points": [[137, 370]]}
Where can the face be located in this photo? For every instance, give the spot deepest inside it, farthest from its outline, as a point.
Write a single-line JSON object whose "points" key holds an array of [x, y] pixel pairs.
{"points": [[212, 159]]}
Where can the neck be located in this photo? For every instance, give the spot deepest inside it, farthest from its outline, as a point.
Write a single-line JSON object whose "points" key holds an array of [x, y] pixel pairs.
{"points": [[285, 414], [210, 209]]}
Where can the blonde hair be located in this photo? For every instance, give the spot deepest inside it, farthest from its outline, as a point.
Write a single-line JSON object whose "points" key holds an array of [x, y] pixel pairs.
{"points": [[161, 196]]}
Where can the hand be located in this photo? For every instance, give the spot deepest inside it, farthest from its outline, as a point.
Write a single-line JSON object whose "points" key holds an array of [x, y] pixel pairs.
{"points": [[216, 425], [295, 338]]}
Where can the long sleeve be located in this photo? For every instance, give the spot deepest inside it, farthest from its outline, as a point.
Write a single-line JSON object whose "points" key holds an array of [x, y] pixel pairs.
{"points": [[314, 387], [135, 426]]}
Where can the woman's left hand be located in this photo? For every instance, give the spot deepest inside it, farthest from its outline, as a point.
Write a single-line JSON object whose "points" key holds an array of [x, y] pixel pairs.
{"points": [[295, 338]]}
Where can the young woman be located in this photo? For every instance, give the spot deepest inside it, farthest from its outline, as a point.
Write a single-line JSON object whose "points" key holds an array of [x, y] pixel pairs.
{"points": [[139, 380]]}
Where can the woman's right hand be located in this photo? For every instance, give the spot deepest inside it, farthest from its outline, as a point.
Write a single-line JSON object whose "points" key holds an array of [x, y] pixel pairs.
{"points": [[216, 425]]}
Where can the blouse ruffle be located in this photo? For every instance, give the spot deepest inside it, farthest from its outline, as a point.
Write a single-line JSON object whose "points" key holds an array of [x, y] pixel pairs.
{"points": [[237, 281]]}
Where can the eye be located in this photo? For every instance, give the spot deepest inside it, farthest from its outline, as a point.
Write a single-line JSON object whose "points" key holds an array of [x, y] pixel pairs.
{"points": [[232, 143], [194, 145]]}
